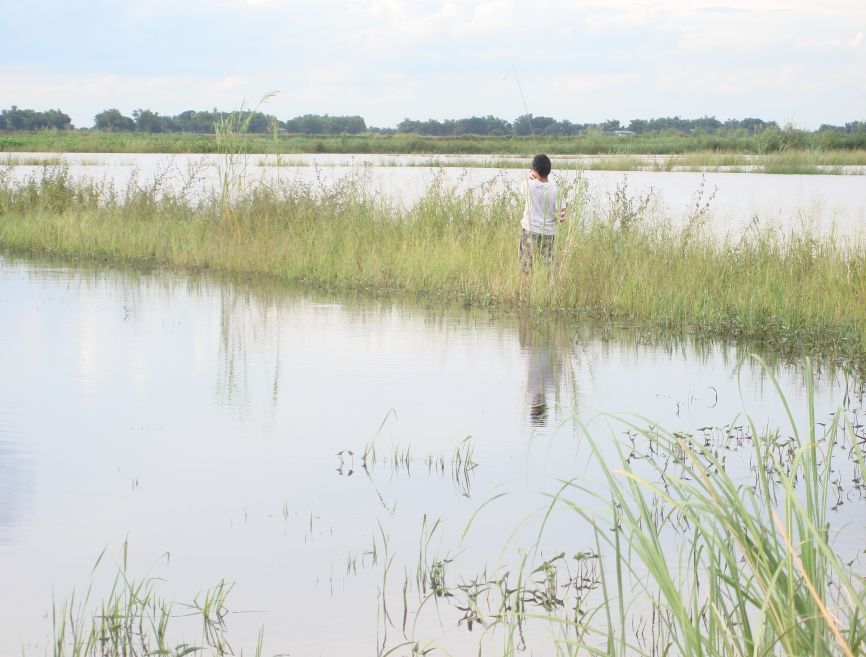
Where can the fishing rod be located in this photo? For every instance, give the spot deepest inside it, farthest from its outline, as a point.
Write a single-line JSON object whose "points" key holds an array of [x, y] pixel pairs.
{"points": [[526, 109], [563, 207]]}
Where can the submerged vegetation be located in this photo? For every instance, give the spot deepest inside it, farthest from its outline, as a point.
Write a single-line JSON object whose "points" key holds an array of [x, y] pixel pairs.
{"points": [[714, 544], [133, 619], [688, 555], [677, 552], [614, 259]]}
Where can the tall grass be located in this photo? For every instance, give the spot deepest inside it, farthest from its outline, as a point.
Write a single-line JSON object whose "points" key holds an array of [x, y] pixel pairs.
{"points": [[691, 556], [752, 567], [832, 162], [133, 620], [767, 142], [613, 260]]}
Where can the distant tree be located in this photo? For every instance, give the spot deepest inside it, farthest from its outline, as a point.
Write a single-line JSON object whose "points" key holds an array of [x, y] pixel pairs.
{"points": [[638, 126], [523, 126], [848, 128], [147, 121], [316, 124], [113, 121], [197, 121], [28, 119], [409, 126], [477, 125], [706, 124], [430, 127]]}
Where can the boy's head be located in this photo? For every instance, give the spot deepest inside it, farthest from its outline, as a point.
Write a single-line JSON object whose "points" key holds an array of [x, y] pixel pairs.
{"points": [[541, 164]]}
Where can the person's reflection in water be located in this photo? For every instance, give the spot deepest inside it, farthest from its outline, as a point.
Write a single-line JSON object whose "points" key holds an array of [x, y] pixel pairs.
{"points": [[16, 488], [543, 367]]}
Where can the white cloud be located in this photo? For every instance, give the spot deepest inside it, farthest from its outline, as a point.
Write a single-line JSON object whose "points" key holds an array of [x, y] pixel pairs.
{"points": [[390, 59], [592, 82], [228, 83], [633, 18], [488, 18], [83, 96]]}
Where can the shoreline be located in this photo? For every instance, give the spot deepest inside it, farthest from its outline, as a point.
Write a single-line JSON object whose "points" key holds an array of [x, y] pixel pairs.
{"points": [[796, 291]]}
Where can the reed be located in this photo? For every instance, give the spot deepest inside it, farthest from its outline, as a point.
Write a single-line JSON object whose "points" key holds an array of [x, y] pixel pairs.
{"points": [[689, 556], [133, 619], [846, 148], [797, 291], [754, 571]]}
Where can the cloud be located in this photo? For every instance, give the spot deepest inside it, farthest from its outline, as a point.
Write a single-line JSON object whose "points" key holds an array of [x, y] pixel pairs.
{"points": [[851, 44], [590, 82], [723, 10], [229, 83], [391, 59], [330, 81], [635, 18], [83, 96], [488, 18]]}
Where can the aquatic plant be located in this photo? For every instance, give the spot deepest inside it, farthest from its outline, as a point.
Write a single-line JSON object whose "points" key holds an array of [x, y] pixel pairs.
{"points": [[617, 258], [133, 619], [691, 557]]}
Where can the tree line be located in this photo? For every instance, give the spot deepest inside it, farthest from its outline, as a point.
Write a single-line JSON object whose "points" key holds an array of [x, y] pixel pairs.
{"points": [[195, 121], [529, 124], [28, 119], [204, 122]]}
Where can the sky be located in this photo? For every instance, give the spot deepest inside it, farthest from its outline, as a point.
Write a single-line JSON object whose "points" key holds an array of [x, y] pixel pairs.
{"points": [[790, 61]]}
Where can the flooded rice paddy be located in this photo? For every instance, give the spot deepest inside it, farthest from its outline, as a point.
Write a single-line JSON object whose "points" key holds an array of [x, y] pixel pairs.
{"points": [[336, 458], [738, 202]]}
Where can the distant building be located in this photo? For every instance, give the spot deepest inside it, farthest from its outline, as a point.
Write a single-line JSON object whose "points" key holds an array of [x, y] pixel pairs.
{"points": [[624, 133]]}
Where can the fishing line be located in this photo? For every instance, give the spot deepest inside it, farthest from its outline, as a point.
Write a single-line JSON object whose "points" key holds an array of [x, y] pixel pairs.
{"points": [[526, 108]]}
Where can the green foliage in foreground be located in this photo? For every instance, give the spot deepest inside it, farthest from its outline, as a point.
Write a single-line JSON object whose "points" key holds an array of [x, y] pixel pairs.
{"points": [[692, 557], [134, 620], [691, 561], [591, 143], [756, 572], [798, 291]]}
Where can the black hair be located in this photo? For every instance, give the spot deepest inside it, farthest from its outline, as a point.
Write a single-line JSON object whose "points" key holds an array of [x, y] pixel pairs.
{"points": [[541, 163]]}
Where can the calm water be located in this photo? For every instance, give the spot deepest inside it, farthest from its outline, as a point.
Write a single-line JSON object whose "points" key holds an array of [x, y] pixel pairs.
{"points": [[820, 203], [205, 419]]}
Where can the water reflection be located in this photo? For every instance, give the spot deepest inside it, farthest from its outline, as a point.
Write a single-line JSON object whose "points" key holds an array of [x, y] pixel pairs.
{"points": [[546, 351], [16, 485], [191, 409]]}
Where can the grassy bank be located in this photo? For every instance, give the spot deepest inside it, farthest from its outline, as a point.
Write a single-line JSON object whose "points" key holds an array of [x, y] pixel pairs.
{"points": [[798, 292], [846, 149], [832, 162]]}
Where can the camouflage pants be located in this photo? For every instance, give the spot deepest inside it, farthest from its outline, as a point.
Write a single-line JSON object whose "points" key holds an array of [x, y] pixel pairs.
{"points": [[532, 246]]}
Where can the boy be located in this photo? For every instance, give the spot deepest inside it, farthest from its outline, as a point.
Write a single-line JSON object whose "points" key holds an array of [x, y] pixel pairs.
{"points": [[540, 214]]}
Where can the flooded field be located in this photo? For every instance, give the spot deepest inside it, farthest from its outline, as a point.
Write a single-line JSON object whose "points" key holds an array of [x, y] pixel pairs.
{"points": [[823, 204], [357, 468]]}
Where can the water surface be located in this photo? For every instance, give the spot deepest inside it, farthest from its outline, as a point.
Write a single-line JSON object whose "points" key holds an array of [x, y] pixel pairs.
{"points": [[822, 204], [213, 420]]}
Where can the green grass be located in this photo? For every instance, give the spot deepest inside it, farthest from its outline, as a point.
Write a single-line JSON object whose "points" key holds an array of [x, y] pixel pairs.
{"points": [[789, 162], [755, 572], [133, 619], [798, 292], [843, 149], [692, 557]]}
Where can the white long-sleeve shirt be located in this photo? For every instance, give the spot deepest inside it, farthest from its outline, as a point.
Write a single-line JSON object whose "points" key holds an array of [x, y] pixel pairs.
{"points": [[541, 211]]}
